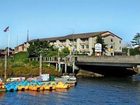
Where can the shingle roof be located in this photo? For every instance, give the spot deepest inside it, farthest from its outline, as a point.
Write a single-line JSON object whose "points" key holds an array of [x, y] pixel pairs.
{"points": [[75, 36]]}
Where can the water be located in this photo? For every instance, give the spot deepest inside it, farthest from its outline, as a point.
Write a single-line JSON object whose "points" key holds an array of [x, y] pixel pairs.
{"points": [[103, 91]]}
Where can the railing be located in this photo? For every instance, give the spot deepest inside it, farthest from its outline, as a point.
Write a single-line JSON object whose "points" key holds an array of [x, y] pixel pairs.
{"points": [[52, 59], [114, 59]]}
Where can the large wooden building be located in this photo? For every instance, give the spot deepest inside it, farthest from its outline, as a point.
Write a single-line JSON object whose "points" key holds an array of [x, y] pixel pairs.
{"points": [[83, 43]]}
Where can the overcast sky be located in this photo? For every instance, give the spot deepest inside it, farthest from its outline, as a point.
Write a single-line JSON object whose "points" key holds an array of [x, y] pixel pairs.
{"points": [[49, 18]]}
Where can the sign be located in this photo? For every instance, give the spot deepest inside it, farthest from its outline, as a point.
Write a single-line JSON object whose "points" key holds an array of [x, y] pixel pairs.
{"points": [[98, 47]]}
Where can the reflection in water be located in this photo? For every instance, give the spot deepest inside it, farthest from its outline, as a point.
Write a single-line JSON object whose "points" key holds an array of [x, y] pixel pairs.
{"points": [[33, 93], [100, 91], [61, 90], [2, 94], [36, 93]]}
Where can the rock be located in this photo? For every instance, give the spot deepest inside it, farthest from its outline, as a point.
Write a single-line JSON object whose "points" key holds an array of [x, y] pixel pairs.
{"points": [[83, 73]]}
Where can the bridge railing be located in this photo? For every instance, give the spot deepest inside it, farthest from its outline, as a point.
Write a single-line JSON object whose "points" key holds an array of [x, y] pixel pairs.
{"points": [[52, 59], [43, 59], [115, 59]]}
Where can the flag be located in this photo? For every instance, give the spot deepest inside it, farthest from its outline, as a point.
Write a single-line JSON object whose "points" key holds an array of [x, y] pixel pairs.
{"points": [[6, 29]]}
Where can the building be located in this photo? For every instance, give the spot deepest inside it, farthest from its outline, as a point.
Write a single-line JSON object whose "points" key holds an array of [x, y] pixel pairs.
{"points": [[22, 47], [83, 43], [5, 51], [2, 52]]}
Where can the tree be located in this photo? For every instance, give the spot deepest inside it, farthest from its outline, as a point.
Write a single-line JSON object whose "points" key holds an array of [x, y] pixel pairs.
{"points": [[136, 40], [39, 47], [101, 41], [64, 52], [134, 51], [43, 47]]}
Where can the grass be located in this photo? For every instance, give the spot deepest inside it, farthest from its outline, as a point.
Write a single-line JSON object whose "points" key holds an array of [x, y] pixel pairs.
{"points": [[19, 65]]}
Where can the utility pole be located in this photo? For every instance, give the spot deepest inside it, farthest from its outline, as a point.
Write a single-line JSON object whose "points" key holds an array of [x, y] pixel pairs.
{"points": [[27, 36]]}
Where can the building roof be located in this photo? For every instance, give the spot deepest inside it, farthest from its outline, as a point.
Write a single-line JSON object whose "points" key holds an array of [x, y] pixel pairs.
{"points": [[79, 35], [21, 44]]}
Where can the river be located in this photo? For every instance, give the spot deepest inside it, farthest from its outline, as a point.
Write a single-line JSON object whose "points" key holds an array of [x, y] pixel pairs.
{"points": [[89, 91]]}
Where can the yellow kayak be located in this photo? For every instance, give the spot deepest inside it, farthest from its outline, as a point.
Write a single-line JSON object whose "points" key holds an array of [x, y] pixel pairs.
{"points": [[2, 86], [35, 88], [26, 87], [41, 88], [47, 87], [61, 85], [21, 88]]}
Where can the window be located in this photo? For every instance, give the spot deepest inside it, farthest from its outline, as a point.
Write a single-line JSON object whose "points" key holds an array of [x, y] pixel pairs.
{"points": [[82, 46], [22, 47], [120, 48], [111, 47], [120, 41], [111, 40]]}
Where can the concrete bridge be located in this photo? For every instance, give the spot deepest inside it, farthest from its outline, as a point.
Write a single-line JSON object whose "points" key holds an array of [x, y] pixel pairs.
{"points": [[110, 66], [107, 66]]}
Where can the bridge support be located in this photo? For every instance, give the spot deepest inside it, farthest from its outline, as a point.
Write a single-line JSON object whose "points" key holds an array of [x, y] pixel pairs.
{"points": [[73, 67], [56, 66], [59, 67], [138, 68], [65, 68]]}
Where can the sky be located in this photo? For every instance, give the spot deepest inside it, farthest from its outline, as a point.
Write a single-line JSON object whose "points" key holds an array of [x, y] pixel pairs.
{"points": [[51, 18]]}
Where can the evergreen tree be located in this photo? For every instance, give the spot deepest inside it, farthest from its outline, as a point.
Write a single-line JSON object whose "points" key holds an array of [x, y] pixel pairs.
{"points": [[136, 40], [39, 47], [101, 41], [43, 47]]}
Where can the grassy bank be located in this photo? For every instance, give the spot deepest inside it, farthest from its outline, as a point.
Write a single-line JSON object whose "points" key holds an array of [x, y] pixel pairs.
{"points": [[19, 65]]}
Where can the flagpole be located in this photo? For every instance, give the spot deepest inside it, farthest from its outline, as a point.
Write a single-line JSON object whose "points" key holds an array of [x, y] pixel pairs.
{"points": [[8, 42], [6, 58], [5, 66]]}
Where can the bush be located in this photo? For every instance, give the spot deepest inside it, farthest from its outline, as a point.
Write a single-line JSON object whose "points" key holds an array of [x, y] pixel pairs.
{"points": [[20, 66], [134, 51], [21, 57]]}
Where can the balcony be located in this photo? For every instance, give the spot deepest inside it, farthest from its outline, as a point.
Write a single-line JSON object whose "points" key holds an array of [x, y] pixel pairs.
{"points": [[84, 42]]}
